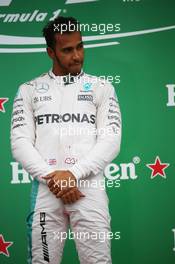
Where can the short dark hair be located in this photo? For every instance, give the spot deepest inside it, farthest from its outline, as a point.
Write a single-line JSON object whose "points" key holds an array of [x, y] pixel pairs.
{"points": [[59, 25]]}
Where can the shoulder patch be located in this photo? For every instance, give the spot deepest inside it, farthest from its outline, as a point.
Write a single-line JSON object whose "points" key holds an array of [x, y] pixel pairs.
{"points": [[43, 74], [29, 83]]}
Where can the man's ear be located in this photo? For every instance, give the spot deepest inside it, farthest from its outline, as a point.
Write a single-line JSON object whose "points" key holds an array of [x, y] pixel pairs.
{"points": [[50, 52]]}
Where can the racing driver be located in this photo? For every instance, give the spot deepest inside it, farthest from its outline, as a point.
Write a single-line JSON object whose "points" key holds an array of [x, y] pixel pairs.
{"points": [[66, 127]]}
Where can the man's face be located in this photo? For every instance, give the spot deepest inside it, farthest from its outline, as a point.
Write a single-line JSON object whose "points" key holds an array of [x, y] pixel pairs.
{"points": [[68, 53]]}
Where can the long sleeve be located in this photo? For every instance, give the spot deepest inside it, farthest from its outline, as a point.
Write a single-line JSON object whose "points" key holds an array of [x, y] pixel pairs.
{"points": [[108, 142], [23, 136]]}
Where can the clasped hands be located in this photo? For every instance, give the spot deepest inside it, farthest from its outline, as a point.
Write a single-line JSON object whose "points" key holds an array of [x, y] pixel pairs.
{"points": [[63, 184]]}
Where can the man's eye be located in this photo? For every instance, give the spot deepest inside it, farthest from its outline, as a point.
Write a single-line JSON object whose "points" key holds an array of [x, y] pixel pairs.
{"points": [[80, 46], [67, 50]]}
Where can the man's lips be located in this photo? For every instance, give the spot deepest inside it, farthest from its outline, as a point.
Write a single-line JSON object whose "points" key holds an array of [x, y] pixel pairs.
{"points": [[76, 64]]}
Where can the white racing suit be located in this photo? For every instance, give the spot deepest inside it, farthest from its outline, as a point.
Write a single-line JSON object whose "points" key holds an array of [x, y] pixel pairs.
{"points": [[58, 124]]}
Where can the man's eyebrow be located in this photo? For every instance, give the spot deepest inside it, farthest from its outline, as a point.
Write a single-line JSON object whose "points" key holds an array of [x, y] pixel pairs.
{"points": [[67, 47], [81, 42], [70, 47]]}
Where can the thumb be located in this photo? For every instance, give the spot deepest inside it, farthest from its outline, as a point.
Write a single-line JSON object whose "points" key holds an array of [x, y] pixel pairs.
{"points": [[81, 194], [48, 177]]}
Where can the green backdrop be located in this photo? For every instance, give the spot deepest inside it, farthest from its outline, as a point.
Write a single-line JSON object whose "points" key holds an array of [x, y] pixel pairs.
{"points": [[140, 55]]}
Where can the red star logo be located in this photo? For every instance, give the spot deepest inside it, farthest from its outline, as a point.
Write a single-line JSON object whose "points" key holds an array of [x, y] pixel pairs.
{"points": [[4, 245], [2, 102], [158, 168]]}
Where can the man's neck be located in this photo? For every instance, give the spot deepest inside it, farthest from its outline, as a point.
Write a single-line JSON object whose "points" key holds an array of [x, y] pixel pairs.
{"points": [[60, 73]]}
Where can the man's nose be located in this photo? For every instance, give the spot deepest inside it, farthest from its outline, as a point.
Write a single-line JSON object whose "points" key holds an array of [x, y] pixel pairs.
{"points": [[76, 55]]}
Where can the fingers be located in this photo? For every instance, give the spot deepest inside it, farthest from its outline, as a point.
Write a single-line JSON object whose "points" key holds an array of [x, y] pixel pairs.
{"points": [[72, 190], [74, 196], [71, 196], [51, 185], [63, 192], [66, 198], [55, 191]]}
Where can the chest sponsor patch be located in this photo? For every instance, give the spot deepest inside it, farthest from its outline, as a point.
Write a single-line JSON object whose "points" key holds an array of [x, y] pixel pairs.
{"points": [[85, 97]]}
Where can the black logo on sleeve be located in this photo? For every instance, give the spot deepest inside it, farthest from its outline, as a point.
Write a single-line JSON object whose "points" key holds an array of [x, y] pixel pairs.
{"points": [[44, 236]]}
